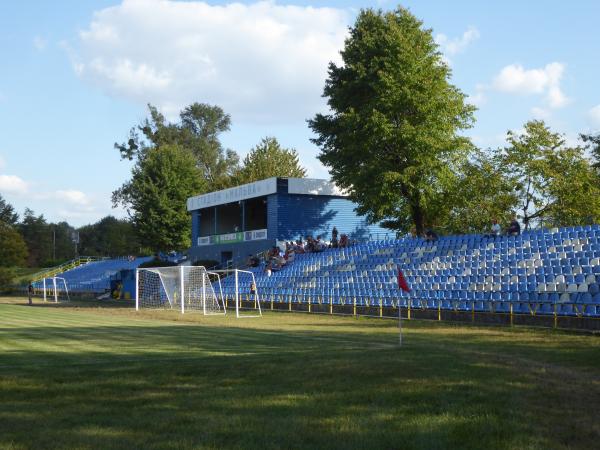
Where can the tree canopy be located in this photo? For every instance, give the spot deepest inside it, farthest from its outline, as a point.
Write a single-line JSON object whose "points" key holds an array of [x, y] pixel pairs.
{"points": [[7, 212], [109, 237], [156, 196], [270, 159], [198, 131], [392, 138], [554, 183]]}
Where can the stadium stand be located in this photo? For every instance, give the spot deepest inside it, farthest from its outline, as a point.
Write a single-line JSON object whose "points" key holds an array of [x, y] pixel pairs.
{"points": [[95, 275], [554, 271]]}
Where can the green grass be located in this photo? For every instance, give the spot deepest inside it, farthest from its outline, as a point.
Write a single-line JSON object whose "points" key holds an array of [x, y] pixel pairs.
{"points": [[107, 377]]}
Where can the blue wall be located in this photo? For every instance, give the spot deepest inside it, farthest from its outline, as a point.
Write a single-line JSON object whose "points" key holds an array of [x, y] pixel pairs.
{"points": [[240, 251], [305, 215]]}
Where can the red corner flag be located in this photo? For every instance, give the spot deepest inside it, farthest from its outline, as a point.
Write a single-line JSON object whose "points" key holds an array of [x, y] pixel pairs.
{"points": [[402, 284]]}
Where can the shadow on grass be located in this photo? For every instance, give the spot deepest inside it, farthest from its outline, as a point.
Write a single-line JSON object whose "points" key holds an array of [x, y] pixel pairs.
{"points": [[182, 386]]}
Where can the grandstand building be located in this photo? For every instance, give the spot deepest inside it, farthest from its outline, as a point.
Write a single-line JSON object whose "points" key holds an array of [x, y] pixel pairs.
{"points": [[232, 223]]}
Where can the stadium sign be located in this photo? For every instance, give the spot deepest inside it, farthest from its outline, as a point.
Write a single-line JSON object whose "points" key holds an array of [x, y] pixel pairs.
{"points": [[233, 238], [235, 194]]}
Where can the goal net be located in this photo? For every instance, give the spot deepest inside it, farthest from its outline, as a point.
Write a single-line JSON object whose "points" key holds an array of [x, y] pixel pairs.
{"points": [[245, 294], [55, 289], [184, 288]]}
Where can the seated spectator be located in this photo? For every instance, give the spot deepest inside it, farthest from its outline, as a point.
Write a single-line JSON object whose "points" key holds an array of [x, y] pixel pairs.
{"points": [[310, 244], [253, 261], [268, 269], [431, 236], [514, 229], [343, 241], [299, 247], [290, 255], [319, 245], [495, 229]]}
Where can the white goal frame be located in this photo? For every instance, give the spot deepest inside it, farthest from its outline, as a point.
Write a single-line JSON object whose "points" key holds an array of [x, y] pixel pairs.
{"points": [[237, 296], [181, 292], [54, 288]]}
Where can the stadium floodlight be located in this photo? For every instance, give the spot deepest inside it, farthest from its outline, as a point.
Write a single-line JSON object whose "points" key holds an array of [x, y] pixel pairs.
{"points": [[55, 289], [185, 288], [245, 282]]}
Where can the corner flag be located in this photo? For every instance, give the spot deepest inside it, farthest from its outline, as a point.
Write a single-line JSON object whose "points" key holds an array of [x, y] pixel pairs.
{"points": [[402, 284]]}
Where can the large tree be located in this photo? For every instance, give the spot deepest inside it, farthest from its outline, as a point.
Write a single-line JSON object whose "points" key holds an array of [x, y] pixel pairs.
{"points": [[162, 180], [270, 159], [392, 136], [555, 183], [198, 131]]}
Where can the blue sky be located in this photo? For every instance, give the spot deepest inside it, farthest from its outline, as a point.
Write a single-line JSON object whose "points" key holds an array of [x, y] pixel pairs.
{"points": [[75, 76]]}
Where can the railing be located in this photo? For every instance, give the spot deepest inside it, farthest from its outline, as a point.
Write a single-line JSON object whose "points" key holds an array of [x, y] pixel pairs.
{"points": [[53, 271], [434, 309]]}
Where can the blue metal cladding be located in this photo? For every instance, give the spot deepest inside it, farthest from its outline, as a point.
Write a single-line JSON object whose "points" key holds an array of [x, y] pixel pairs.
{"points": [[306, 215], [195, 227], [272, 215], [239, 251]]}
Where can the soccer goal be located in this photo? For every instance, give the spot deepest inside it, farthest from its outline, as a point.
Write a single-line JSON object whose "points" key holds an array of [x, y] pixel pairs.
{"points": [[55, 289], [246, 297], [183, 288]]}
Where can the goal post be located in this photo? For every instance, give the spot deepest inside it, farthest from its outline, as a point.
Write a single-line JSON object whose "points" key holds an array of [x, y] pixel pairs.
{"points": [[183, 288], [55, 289], [244, 281]]}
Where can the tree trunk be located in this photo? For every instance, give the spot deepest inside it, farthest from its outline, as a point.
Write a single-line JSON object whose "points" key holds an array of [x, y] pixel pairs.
{"points": [[417, 215]]}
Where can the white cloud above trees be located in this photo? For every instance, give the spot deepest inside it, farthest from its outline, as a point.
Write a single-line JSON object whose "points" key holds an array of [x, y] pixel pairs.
{"points": [[261, 62], [545, 81]]}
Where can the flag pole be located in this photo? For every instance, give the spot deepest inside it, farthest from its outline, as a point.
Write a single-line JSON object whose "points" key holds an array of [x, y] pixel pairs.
{"points": [[402, 287], [400, 322]]}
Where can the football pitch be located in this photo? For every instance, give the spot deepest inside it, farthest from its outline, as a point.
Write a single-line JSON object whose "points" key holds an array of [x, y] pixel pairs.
{"points": [[88, 376]]}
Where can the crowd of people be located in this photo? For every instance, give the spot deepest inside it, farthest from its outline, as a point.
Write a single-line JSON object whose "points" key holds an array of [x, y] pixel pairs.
{"points": [[276, 258]]}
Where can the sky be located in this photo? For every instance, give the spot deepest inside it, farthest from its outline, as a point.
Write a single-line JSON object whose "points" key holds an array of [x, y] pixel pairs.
{"points": [[75, 76]]}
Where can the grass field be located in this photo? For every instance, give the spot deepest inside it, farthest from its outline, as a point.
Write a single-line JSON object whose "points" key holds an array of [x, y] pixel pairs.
{"points": [[106, 377]]}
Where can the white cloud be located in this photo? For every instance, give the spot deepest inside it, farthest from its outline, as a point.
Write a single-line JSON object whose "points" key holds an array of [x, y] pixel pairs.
{"points": [[73, 196], [39, 43], [13, 184], [260, 61], [451, 47], [515, 79], [594, 115]]}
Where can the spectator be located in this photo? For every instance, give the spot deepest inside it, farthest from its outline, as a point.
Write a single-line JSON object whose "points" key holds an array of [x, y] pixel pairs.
{"points": [[334, 238], [30, 292], [253, 289], [343, 241], [495, 229], [514, 229], [310, 244], [430, 236], [299, 247], [253, 261], [290, 255], [268, 269]]}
